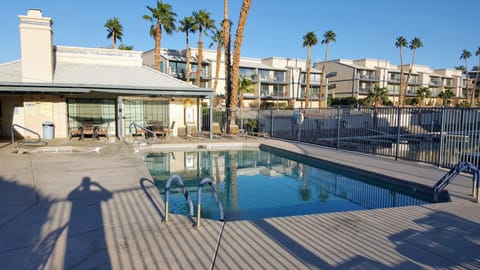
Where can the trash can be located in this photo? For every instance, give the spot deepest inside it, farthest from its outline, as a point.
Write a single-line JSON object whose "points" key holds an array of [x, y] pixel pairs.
{"points": [[48, 129]]}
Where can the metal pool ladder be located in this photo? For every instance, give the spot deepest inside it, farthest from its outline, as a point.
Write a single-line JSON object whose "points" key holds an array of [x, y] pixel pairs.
{"points": [[448, 177], [179, 181], [205, 180], [209, 181]]}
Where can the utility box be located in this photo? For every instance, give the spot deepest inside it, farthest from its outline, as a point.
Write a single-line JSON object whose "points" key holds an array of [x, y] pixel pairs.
{"points": [[48, 130]]}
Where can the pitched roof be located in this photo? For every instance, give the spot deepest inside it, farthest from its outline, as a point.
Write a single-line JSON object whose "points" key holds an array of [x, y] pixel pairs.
{"points": [[86, 77]]}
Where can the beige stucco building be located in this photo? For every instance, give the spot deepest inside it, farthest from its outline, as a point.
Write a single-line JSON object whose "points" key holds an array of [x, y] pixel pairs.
{"points": [[70, 86], [356, 78], [282, 80]]}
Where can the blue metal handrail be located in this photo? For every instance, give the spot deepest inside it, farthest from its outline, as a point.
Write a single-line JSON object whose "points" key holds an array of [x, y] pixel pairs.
{"points": [[12, 131], [179, 181], [209, 181], [448, 178]]}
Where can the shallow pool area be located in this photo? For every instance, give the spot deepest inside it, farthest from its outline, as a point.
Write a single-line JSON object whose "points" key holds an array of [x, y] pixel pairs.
{"points": [[264, 183]]}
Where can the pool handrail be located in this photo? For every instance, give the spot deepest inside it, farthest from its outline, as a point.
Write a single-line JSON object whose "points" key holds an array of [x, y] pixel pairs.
{"points": [[450, 176], [179, 181], [209, 181], [12, 129], [133, 124]]}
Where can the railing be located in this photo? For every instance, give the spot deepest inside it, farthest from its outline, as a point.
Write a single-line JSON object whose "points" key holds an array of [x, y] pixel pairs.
{"points": [[207, 180], [450, 176], [12, 131], [179, 181], [436, 135], [137, 126]]}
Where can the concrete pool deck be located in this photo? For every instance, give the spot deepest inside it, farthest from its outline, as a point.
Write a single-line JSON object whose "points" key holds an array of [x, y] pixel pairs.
{"points": [[100, 210]]}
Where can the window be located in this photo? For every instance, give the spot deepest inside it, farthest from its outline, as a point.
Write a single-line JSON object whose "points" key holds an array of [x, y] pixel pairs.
{"points": [[99, 111]]}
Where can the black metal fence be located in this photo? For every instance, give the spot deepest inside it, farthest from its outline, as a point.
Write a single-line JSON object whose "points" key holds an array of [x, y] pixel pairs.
{"points": [[440, 136]]}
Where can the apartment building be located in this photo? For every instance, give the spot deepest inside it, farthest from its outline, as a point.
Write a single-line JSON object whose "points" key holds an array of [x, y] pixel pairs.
{"points": [[280, 80], [276, 80], [356, 78]]}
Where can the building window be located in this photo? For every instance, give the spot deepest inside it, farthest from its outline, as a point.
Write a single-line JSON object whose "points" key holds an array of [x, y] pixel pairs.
{"points": [[144, 112], [264, 74], [97, 111]]}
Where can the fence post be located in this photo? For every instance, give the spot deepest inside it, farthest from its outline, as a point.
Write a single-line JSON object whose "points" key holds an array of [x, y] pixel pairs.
{"points": [[397, 147], [338, 127], [440, 151], [271, 122]]}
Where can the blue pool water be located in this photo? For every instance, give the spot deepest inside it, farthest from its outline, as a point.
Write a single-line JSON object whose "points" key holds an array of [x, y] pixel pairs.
{"points": [[267, 183]]}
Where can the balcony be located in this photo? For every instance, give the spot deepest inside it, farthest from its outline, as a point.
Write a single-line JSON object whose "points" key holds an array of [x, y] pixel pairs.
{"points": [[275, 94], [365, 90], [371, 77], [273, 80], [436, 83]]}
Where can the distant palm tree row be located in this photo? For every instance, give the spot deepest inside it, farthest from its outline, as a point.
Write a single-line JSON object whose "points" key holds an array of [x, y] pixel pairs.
{"points": [[465, 55], [309, 40]]}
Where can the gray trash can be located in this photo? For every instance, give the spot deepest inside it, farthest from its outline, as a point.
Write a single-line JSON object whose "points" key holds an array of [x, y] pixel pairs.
{"points": [[48, 130]]}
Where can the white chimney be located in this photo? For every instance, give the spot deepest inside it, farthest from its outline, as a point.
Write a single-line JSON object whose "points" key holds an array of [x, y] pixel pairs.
{"points": [[37, 49]]}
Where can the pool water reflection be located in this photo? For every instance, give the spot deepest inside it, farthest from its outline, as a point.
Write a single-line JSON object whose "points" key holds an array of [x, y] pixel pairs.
{"points": [[255, 184]]}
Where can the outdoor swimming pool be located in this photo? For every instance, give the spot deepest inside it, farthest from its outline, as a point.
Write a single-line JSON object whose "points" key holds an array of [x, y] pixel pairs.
{"points": [[253, 184]]}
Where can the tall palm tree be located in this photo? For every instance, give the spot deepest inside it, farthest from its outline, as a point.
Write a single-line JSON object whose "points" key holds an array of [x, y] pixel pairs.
{"points": [[217, 38], [309, 40], [187, 25], [423, 93], [161, 16], [446, 96], [242, 21], [415, 44], [400, 43], [226, 26], [245, 85], [114, 30], [477, 53], [465, 55], [328, 37], [204, 23]]}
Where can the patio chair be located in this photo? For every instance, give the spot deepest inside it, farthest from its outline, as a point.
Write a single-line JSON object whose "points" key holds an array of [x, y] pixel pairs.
{"points": [[102, 130], [216, 130], [75, 132]]}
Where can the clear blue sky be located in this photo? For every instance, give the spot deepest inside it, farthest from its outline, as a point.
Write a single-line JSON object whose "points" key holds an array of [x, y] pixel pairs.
{"points": [[364, 29]]}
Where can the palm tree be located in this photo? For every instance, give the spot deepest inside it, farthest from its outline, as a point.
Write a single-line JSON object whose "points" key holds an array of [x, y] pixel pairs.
{"points": [[309, 40], [245, 85], [446, 96], [114, 30], [242, 21], [187, 25], [217, 38], [226, 25], [400, 43], [378, 95], [161, 16], [465, 55], [125, 47], [204, 23], [477, 53], [415, 43], [423, 93], [328, 37]]}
